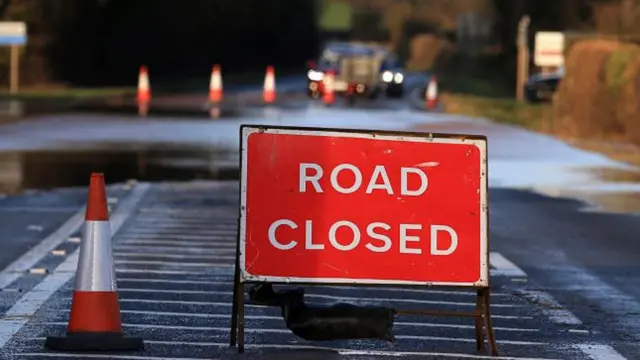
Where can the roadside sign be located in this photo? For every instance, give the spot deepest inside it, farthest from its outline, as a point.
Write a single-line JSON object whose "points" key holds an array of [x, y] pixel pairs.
{"points": [[339, 206], [549, 49], [13, 33]]}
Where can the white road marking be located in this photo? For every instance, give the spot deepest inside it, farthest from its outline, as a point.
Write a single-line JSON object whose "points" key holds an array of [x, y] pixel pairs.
{"points": [[213, 328], [256, 317], [161, 272], [186, 220], [185, 225], [38, 252], [600, 352], [321, 296], [38, 271], [37, 228], [56, 209], [176, 233], [175, 256], [504, 267], [288, 332], [357, 288], [103, 356], [208, 244], [184, 237], [550, 307], [170, 263], [23, 310], [175, 250], [75, 240]]}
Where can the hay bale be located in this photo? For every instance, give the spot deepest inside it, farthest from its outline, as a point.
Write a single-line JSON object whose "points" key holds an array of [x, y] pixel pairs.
{"points": [[599, 94]]}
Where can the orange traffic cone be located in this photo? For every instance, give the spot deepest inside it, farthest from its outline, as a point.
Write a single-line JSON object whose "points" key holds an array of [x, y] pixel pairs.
{"points": [[144, 91], [269, 95], [431, 95], [328, 96], [215, 85], [94, 322]]}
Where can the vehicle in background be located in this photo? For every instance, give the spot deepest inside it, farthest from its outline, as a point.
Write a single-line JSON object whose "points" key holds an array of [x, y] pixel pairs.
{"points": [[542, 87], [360, 70], [392, 76]]}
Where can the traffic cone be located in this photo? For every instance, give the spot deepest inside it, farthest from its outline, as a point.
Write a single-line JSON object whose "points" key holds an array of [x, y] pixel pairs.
{"points": [[215, 85], [329, 95], [269, 95], [144, 91], [431, 95], [94, 322]]}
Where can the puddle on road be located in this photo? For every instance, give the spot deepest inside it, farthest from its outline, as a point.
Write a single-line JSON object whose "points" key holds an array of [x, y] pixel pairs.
{"points": [[609, 190], [21, 171]]}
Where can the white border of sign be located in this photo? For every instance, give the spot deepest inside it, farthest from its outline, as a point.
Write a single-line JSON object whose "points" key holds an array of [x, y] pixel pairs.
{"points": [[484, 251]]}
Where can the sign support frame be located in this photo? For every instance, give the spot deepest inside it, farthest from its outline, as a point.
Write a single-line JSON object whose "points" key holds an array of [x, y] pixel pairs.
{"points": [[481, 315]]}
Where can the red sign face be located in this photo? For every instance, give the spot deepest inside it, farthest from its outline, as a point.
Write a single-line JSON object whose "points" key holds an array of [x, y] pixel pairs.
{"points": [[346, 207]]}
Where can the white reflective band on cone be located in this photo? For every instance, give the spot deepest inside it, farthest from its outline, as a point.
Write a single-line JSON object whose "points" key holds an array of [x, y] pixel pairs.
{"points": [[95, 262], [144, 82], [216, 81], [432, 90]]}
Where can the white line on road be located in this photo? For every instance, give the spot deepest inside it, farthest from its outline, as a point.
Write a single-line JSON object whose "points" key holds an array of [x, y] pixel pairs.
{"points": [[600, 352], [504, 267], [320, 296], [175, 250], [171, 263], [255, 317], [550, 307], [184, 237], [163, 272], [282, 346], [213, 328], [356, 288], [38, 252], [175, 256], [204, 244], [23, 310], [288, 332], [105, 356], [135, 231]]}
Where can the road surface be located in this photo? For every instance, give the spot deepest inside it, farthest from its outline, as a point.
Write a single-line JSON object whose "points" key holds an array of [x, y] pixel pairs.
{"points": [[565, 281]]}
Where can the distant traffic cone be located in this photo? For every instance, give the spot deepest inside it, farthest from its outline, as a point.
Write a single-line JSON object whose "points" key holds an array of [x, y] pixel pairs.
{"points": [[329, 95], [144, 90], [431, 95], [94, 322], [215, 85], [269, 95]]}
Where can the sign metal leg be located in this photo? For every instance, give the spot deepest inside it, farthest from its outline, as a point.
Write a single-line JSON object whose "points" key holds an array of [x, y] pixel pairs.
{"points": [[491, 338], [240, 316], [478, 321], [234, 308]]}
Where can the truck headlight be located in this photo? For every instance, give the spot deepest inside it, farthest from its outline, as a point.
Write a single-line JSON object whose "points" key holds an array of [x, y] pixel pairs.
{"points": [[315, 75], [387, 76], [398, 77]]}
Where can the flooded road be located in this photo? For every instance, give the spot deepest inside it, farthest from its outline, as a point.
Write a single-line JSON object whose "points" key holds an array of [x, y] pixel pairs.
{"points": [[559, 249], [187, 138]]}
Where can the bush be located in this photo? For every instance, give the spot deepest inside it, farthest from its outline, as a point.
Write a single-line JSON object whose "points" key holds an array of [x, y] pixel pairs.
{"points": [[600, 94]]}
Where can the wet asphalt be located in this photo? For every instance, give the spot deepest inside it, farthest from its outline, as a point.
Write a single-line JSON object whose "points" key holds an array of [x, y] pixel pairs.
{"points": [[565, 282], [174, 259]]}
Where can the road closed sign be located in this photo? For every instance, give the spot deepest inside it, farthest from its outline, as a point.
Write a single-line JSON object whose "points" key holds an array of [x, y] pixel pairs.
{"points": [[350, 206]]}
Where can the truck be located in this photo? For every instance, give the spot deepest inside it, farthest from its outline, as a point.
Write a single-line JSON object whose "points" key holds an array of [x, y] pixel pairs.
{"points": [[359, 71]]}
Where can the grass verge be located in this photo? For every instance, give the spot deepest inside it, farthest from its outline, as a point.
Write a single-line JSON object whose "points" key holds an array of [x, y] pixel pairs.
{"points": [[480, 89], [57, 93]]}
